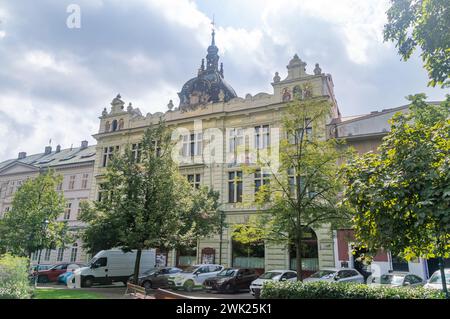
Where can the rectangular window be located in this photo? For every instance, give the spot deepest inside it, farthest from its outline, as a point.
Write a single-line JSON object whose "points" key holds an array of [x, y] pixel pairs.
{"points": [[11, 188], [84, 181], [47, 254], [59, 187], [261, 179], [262, 136], [302, 133], [294, 180], [194, 180], [108, 153], [67, 211], [192, 144], [72, 182], [136, 151], [73, 254], [235, 140], [60, 254], [235, 187]]}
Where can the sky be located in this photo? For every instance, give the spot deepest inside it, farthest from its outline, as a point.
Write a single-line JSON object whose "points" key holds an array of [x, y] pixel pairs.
{"points": [[55, 80]]}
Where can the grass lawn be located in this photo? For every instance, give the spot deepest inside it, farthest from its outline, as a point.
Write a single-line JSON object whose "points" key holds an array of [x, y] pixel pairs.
{"points": [[50, 293]]}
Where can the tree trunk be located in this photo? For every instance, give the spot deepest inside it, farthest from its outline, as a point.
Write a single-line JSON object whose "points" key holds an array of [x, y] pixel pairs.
{"points": [[298, 259], [443, 279], [137, 264]]}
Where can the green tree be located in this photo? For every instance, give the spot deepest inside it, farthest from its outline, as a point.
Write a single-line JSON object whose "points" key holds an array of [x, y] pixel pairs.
{"points": [[304, 185], [401, 195], [146, 203], [32, 223], [424, 24]]}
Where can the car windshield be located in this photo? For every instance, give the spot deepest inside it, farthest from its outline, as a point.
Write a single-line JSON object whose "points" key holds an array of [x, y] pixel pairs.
{"points": [[150, 271], [227, 273], [270, 275], [323, 274], [191, 269], [391, 279], [436, 278]]}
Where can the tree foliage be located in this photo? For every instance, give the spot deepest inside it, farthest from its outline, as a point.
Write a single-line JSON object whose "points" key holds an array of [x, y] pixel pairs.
{"points": [[424, 24], [304, 185], [32, 223], [146, 203], [401, 195]]}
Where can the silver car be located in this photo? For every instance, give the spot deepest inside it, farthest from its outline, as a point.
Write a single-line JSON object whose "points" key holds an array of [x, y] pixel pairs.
{"points": [[397, 279], [336, 275]]}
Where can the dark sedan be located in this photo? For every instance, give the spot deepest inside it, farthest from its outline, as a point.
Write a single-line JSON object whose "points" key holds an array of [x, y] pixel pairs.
{"points": [[155, 277], [231, 280]]}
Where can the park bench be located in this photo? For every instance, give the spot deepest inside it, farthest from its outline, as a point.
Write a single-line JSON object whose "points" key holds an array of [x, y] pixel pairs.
{"points": [[137, 292]]}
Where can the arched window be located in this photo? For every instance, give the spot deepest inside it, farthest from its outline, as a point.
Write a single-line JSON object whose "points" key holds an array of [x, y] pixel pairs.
{"points": [[121, 123], [114, 125], [297, 92], [310, 253], [107, 126]]}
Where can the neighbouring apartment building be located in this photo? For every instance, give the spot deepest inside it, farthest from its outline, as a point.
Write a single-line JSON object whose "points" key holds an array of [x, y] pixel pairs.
{"points": [[76, 165]]}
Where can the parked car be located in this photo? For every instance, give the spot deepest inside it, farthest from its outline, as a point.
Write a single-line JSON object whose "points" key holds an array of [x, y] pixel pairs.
{"points": [[230, 280], [194, 276], [40, 267], [397, 279], [336, 275], [275, 275], [51, 274], [435, 281], [113, 265], [62, 279], [155, 277]]}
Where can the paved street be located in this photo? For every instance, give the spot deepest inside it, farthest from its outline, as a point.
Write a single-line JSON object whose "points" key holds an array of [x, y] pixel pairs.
{"points": [[117, 291]]}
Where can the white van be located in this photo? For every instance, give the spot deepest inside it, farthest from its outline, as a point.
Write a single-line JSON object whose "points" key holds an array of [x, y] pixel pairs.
{"points": [[114, 265]]}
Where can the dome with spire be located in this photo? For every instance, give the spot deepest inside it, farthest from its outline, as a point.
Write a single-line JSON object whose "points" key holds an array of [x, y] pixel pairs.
{"points": [[209, 85]]}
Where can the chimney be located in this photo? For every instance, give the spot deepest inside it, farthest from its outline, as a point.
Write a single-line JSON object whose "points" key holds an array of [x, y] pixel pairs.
{"points": [[84, 144], [58, 148], [48, 150], [22, 155]]}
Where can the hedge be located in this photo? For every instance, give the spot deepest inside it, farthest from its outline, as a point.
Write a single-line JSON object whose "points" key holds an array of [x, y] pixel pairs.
{"points": [[14, 282], [332, 290]]}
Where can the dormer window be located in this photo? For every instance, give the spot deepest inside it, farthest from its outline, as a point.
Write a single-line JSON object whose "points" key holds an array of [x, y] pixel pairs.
{"points": [[114, 125], [121, 124], [107, 126]]}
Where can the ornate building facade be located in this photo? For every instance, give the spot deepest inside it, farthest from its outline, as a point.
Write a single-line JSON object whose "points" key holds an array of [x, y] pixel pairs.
{"points": [[209, 109]]}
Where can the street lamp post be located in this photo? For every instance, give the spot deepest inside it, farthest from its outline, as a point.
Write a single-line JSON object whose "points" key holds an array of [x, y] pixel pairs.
{"points": [[222, 218], [45, 224]]}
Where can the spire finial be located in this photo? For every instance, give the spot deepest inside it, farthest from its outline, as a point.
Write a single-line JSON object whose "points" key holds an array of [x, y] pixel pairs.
{"points": [[213, 23]]}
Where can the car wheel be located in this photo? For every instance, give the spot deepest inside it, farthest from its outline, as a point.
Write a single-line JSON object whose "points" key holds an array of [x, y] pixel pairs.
{"points": [[229, 288], [189, 286], [88, 281], [147, 285]]}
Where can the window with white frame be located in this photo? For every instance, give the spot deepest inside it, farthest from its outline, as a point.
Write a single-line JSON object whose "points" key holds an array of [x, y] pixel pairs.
{"points": [[304, 132], [262, 136], [261, 178], [59, 186], [108, 153], [72, 182], [84, 181], [60, 255], [47, 254], [34, 255], [235, 140], [235, 187], [194, 180], [192, 144], [136, 151], [73, 253], [294, 180], [11, 188], [67, 211]]}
